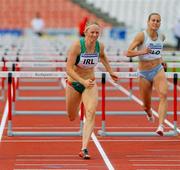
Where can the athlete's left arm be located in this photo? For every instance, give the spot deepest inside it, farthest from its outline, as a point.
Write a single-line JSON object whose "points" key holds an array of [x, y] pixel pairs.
{"points": [[105, 62], [164, 64]]}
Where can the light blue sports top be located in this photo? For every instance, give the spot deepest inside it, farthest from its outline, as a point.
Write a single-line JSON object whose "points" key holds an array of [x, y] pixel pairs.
{"points": [[156, 47]]}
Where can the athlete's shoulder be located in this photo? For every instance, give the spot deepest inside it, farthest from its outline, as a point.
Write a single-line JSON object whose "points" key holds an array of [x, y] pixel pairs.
{"points": [[76, 43], [140, 33], [101, 44], [75, 47], [140, 36]]}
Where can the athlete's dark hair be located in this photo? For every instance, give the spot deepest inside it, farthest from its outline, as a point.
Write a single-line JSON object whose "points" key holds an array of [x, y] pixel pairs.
{"points": [[153, 13]]}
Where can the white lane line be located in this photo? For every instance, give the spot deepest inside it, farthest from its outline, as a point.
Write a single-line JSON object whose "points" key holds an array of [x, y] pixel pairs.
{"points": [[154, 160], [44, 156], [48, 160], [155, 169], [41, 164], [97, 143], [140, 102], [153, 156], [163, 150], [101, 151], [47, 169], [161, 165], [3, 121], [101, 140]]}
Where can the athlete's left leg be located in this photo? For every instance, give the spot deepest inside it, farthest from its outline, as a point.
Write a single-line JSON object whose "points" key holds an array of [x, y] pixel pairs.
{"points": [[161, 86], [145, 89]]}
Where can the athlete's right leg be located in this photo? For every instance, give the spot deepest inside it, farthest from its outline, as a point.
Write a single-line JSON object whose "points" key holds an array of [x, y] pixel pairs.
{"points": [[90, 100], [145, 88], [73, 99]]}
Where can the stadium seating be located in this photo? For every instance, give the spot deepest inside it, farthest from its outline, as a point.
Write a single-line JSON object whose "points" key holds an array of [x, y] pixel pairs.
{"points": [[56, 13], [134, 13]]}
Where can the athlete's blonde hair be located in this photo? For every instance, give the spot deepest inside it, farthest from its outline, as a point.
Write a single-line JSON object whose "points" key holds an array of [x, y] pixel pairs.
{"points": [[89, 24]]}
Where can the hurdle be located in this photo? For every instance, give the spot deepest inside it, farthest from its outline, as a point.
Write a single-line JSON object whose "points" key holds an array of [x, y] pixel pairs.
{"points": [[119, 52], [62, 58], [19, 66], [135, 59], [10, 131], [16, 67], [34, 58], [104, 132], [3, 65], [58, 64], [130, 65]]}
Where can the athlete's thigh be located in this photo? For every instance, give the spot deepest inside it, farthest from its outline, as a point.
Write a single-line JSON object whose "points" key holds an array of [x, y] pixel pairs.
{"points": [[73, 99], [145, 88], [90, 97], [160, 82]]}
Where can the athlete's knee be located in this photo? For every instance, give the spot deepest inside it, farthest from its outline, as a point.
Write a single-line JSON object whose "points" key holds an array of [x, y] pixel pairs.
{"points": [[72, 116], [90, 115], [163, 95]]}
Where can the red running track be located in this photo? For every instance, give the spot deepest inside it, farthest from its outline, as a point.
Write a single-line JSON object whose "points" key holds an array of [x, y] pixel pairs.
{"points": [[124, 153]]}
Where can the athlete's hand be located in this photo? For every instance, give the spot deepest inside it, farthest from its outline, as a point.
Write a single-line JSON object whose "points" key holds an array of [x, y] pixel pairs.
{"points": [[114, 76], [146, 50], [164, 66], [89, 83]]}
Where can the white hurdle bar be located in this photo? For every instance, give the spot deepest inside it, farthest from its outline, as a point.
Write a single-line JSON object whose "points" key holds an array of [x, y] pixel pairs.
{"points": [[35, 58], [118, 52], [3, 68], [114, 113], [51, 64], [17, 66], [63, 58]]}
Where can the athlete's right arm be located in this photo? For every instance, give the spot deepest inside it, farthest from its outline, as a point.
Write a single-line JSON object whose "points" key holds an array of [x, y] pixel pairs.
{"points": [[71, 60], [138, 40]]}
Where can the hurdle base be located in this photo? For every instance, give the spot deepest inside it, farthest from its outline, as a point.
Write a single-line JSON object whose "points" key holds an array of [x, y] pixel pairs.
{"points": [[9, 133], [24, 112], [102, 133], [135, 134], [41, 98], [44, 134], [40, 88]]}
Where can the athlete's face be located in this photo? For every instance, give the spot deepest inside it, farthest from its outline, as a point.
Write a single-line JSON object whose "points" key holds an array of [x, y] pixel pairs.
{"points": [[154, 22], [92, 33]]}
